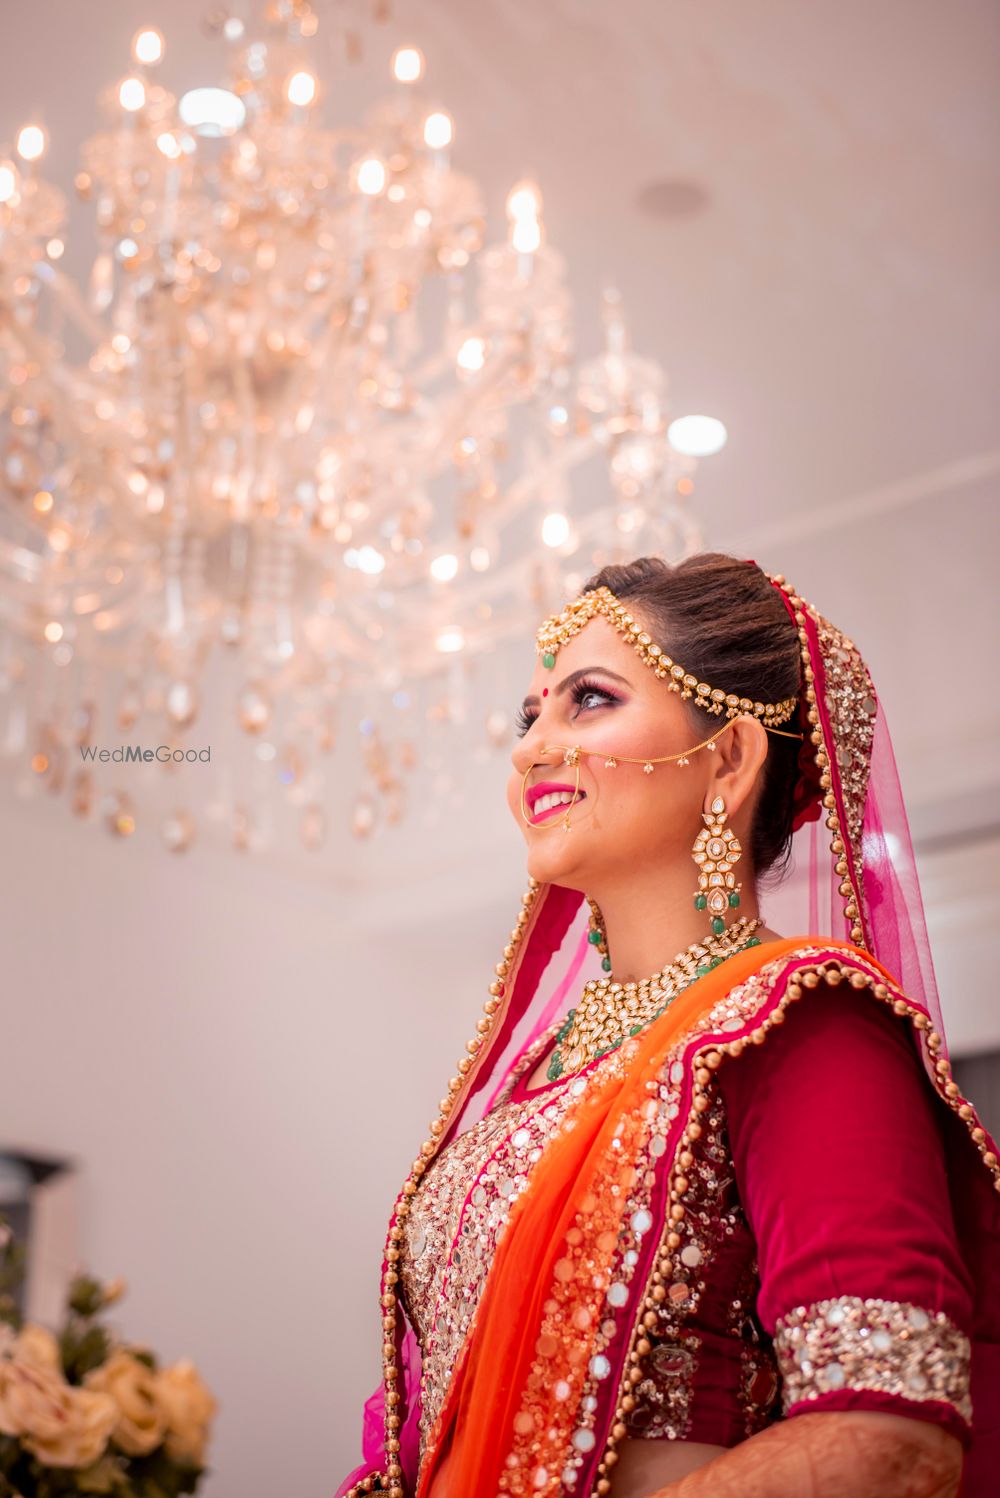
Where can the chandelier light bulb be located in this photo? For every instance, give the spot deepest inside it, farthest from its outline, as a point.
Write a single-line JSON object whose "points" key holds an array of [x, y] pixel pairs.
{"points": [[407, 64], [524, 202], [8, 181], [132, 94], [212, 111], [444, 567], [555, 529], [439, 131], [169, 145], [371, 177], [366, 559], [697, 436], [53, 631], [31, 142], [147, 46], [301, 88], [526, 235], [472, 354], [449, 640]]}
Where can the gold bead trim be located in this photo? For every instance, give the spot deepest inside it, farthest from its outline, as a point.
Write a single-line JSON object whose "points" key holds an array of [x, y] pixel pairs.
{"points": [[558, 628], [850, 886], [706, 1064], [390, 1481]]}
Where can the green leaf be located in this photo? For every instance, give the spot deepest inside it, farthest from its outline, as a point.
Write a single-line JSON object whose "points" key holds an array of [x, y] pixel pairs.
{"points": [[83, 1350], [103, 1477], [86, 1295]]}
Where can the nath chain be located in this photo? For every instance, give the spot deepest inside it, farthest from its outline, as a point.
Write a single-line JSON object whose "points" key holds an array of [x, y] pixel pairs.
{"points": [[572, 753]]}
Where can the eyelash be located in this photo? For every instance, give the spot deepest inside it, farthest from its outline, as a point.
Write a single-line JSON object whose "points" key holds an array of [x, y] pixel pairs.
{"points": [[584, 688]]}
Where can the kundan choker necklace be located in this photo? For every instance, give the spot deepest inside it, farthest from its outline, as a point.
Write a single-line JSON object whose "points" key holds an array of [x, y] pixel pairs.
{"points": [[610, 1011]]}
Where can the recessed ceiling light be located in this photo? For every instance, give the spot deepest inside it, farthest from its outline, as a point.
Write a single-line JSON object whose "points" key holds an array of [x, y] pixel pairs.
{"points": [[673, 197], [697, 436]]}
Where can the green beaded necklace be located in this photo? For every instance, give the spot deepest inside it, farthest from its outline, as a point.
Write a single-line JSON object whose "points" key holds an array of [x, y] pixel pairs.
{"points": [[555, 1068]]}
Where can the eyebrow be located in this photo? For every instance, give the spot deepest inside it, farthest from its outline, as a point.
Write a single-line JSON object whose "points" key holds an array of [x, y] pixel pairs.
{"points": [[574, 676]]}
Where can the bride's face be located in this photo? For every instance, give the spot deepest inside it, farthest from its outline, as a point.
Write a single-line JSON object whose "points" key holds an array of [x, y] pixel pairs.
{"points": [[602, 696]]}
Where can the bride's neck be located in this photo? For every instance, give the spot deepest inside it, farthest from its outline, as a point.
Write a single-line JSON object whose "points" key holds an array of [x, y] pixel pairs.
{"points": [[648, 920]]}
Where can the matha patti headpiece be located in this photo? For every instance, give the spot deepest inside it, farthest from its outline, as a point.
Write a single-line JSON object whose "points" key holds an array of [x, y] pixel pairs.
{"points": [[558, 628]]}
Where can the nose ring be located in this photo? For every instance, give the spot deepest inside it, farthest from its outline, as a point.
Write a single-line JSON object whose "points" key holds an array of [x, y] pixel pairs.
{"points": [[571, 757]]}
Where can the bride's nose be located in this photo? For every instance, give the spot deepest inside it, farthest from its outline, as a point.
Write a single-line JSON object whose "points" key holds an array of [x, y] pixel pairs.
{"points": [[531, 750]]}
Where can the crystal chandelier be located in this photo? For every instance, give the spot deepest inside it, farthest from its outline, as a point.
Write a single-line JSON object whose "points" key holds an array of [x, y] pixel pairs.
{"points": [[303, 441]]}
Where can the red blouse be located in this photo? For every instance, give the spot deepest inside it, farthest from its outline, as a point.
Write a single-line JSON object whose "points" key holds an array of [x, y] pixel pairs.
{"points": [[824, 1270], [838, 1146]]}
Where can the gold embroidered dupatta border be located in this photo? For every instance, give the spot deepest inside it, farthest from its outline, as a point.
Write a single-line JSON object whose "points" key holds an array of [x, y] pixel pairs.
{"points": [[539, 1382]]}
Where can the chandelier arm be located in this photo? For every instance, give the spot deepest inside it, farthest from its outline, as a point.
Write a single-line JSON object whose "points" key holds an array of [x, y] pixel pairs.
{"points": [[454, 418], [72, 303], [35, 347]]}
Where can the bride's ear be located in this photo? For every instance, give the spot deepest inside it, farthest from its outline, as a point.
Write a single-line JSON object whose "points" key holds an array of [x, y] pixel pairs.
{"points": [[739, 754]]}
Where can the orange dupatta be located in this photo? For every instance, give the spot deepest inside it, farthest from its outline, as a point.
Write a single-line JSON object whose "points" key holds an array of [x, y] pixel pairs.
{"points": [[549, 1275]]}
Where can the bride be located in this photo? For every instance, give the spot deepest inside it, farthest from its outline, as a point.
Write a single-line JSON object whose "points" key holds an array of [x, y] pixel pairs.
{"points": [[702, 1213]]}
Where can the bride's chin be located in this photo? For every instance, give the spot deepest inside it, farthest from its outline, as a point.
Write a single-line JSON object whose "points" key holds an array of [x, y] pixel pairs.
{"points": [[549, 865]]}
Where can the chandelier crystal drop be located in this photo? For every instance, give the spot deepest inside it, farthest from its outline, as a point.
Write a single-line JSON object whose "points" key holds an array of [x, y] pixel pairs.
{"points": [[297, 454]]}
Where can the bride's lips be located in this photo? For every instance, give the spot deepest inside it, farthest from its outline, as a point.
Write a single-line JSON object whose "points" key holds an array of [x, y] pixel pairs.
{"points": [[545, 788]]}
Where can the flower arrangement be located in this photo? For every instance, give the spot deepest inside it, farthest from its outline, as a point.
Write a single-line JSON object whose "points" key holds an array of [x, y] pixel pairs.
{"points": [[83, 1412]]}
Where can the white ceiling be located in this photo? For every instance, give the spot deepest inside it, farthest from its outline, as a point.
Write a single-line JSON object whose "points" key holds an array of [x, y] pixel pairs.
{"points": [[826, 282]]}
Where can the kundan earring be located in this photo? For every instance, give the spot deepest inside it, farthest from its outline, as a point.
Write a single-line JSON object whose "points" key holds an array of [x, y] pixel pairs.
{"points": [[716, 851], [596, 934]]}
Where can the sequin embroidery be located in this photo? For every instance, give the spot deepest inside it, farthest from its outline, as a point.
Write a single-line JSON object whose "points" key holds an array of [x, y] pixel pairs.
{"points": [[455, 1222], [889, 1346]]}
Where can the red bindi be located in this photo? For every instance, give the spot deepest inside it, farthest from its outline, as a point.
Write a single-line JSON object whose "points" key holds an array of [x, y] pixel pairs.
{"points": [[545, 691]]}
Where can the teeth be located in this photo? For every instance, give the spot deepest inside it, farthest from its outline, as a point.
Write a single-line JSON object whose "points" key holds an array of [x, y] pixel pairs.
{"points": [[552, 798]]}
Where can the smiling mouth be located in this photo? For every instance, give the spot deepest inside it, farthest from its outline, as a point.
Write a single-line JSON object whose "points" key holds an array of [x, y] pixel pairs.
{"points": [[556, 807]]}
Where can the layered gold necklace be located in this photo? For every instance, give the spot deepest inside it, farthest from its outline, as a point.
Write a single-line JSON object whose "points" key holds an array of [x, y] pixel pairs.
{"points": [[609, 1012]]}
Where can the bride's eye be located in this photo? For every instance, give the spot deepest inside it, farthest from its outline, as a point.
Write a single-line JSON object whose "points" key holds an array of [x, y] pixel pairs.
{"points": [[581, 690]]}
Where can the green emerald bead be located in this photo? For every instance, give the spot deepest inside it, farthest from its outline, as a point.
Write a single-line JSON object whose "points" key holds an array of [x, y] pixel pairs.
{"points": [[700, 902], [555, 1069], [635, 1029], [606, 964], [734, 899], [594, 938], [700, 972], [715, 961], [718, 925], [548, 659]]}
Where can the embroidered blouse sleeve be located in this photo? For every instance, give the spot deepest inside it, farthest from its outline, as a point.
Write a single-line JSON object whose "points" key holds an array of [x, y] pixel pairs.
{"points": [[840, 1163]]}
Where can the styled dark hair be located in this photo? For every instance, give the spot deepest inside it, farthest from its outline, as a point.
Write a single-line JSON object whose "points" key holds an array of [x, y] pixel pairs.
{"points": [[727, 625]]}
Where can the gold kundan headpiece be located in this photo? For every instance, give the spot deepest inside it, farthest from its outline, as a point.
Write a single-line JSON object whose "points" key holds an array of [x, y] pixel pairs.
{"points": [[558, 628]]}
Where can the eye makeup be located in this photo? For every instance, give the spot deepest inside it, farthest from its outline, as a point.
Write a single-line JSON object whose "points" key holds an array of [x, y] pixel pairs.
{"points": [[582, 688]]}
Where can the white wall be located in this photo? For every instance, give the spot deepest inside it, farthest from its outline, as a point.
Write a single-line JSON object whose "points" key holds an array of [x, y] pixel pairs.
{"points": [[245, 1068]]}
